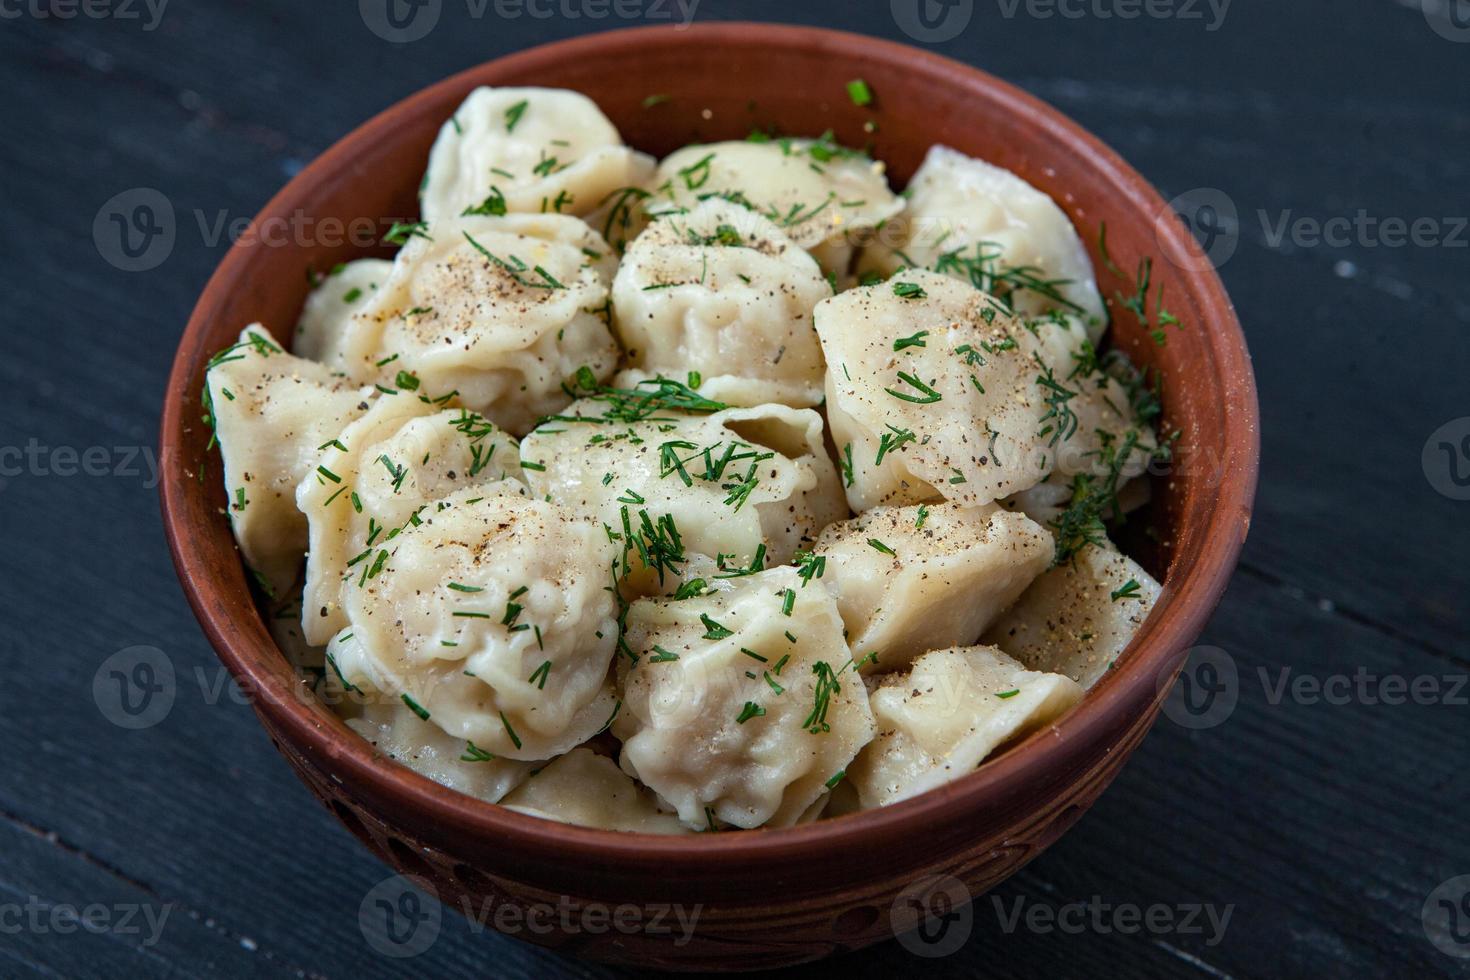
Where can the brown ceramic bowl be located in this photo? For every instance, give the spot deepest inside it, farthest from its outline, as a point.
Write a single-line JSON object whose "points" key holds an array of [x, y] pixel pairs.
{"points": [[772, 897]]}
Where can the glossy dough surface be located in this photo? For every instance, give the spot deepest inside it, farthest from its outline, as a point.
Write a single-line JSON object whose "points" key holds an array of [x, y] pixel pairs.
{"points": [[400, 734], [723, 292], [589, 790], [950, 710], [919, 578], [492, 616], [271, 412], [746, 729], [933, 386], [1078, 618], [333, 303], [531, 150], [499, 311], [817, 192], [376, 480]]}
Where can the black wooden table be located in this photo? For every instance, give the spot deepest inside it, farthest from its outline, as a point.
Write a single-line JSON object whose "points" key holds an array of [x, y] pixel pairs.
{"points": [[1315, 823]]}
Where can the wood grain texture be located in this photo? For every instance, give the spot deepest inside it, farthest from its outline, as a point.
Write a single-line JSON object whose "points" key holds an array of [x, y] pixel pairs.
{"points": [[1326, 826]]}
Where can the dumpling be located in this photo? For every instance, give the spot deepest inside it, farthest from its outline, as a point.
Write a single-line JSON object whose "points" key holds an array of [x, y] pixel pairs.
{"points": [[1043, 503], [736, 484], [817, 192], [500, 311], [722, 295], [333, 303], [490, 617], [985, 225], [589, 790], [1095, 429], [742, 706], [913, 579], [940, 719], [1092, 415], [1078, 618], [528, 150], [400, 734], [932, 391], [271, 412], [375, 479]]}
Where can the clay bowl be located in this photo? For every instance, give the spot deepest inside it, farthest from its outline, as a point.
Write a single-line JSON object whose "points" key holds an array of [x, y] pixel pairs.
{"points": [[766, 898]]}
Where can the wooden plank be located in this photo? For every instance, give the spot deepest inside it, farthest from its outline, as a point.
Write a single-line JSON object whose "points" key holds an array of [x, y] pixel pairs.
{"points": [[64, 914]]}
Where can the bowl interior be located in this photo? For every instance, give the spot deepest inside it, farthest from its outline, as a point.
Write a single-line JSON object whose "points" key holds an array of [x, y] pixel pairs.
{"points": [[722, 81]]}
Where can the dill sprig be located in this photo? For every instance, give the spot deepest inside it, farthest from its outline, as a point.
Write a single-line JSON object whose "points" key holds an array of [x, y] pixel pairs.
{"points": [[641, 402], [620, 214], [657, 542], [515, 267], [401, 231], [1060, 421], [985, 272], [1094, 500], [809, 566], [1137, 301], [892, 440], [827, 685]]}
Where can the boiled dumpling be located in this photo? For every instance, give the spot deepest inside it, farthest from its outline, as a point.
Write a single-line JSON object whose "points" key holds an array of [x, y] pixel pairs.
{"points": [[913, 579], [941, 718], [589, 790], [530, 150], [401, 734], [498, 311], [272, 412], [1078, 618], [932, 391], [734, 484], [333, 303], [1094, 418], [491, 617], [1043, 503], [817, 192], [743, 707], [976, 221], [720, 293], [377, 478]]}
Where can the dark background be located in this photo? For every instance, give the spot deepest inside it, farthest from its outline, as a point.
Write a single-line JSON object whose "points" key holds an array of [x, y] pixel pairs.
{"points": [[1325, 826]]}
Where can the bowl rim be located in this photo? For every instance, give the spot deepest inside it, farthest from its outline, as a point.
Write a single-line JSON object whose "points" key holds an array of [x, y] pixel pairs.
{"points": [[1194, 586]]}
